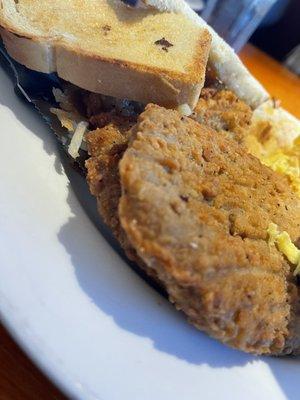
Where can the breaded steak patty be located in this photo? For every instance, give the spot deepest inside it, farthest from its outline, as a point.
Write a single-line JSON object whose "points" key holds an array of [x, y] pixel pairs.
{"points": [[222, 110], [196, 206], [106, 146]]}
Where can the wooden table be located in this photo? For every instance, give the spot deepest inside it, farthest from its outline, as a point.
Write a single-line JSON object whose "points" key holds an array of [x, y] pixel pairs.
{"points": [[19, 378], [279, 82]]}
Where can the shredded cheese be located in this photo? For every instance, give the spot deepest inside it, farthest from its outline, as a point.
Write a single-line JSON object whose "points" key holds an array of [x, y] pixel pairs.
{"points": [[67, 119], [284, 244], [59, 95], [184, 109], [63, 100], [77, 139]]}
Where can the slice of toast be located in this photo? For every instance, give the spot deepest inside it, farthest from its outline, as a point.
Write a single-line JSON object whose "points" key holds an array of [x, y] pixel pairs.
{"points": [[106, 47], [227, 64]]}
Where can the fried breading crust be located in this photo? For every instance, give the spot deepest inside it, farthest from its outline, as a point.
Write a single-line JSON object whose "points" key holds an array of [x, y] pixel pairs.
{"points": [[196, 208], [222, 110], [106, 146]]}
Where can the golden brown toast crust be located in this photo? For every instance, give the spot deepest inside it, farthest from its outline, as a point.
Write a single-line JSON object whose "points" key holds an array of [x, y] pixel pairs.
{"points": [[141, 67], [195, 69]]}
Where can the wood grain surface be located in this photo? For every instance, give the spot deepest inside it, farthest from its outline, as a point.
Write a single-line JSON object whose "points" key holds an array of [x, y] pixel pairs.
{"points": [[279, 82], [19, 378]]}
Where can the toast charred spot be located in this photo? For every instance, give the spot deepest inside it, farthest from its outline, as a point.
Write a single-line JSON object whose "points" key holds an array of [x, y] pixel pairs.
{"points": [[141, 54]]}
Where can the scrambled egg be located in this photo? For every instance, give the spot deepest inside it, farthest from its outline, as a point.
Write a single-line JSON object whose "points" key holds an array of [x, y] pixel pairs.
{"points": [[274, 138], [284, 244], [286, 161]]}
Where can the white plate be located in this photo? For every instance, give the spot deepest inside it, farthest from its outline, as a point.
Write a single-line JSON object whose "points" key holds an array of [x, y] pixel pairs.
{"points": [[79, 311]]}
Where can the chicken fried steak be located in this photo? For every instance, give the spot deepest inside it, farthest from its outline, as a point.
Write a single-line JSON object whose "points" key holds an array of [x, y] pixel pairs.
{"points": [[196, 208], [195, 211]]}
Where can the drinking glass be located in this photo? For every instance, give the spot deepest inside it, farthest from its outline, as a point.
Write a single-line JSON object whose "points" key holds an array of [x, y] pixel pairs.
{"points": [[236, 20]]}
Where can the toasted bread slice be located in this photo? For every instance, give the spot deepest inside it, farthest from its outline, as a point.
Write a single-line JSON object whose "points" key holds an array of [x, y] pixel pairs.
{"points": [[222, 57], [106, 47]]}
